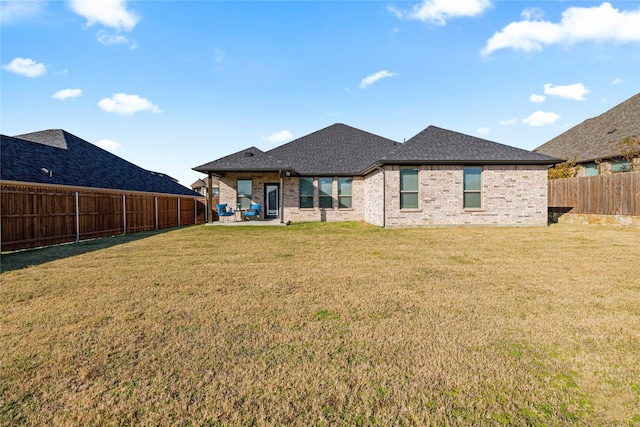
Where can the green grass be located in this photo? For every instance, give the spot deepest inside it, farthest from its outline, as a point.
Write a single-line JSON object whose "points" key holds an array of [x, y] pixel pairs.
{"points": [[325, 324]]}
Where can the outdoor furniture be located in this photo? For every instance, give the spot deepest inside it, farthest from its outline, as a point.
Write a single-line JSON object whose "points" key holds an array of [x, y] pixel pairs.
{"points": [[254, 211], [223, 210]]}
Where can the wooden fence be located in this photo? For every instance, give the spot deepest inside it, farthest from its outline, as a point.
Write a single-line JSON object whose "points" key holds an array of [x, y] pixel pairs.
{"points": [[614, 194], [33, 216]]}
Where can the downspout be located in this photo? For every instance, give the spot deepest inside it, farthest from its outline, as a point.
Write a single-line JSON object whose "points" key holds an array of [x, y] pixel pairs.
{"points": [[281, 196], [384, 196]]}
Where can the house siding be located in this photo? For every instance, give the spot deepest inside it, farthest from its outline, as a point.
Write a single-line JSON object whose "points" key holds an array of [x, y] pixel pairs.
{"points": [[511, 195]]}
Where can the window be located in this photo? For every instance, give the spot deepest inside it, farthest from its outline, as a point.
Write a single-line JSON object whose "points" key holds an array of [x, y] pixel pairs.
{"points": [[325, 187], [344, 193], [409, 188], [620, 166], [215, 192], [244, 193], [590, 169], [306, 192], [472, 188]]}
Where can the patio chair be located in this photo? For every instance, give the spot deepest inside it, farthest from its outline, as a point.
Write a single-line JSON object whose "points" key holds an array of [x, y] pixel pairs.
{"points": [[223, 210], [254, 211]]}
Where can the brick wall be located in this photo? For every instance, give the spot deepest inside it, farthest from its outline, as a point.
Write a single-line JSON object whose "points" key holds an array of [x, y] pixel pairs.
{"points": [[511, 195]]}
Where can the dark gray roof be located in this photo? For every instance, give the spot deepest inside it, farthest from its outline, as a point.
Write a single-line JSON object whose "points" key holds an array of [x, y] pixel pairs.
{"points": [[595, 138], [251, 159], [57, 157], [335, 150], [435, 145]]}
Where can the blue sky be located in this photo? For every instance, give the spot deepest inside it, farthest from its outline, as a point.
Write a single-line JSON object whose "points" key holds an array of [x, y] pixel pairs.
{"points": [[170, 85]]}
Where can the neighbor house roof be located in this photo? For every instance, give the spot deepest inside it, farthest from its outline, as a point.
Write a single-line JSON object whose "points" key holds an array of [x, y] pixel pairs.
{"points": [[335, 150], [596, 138], [57, 157]]}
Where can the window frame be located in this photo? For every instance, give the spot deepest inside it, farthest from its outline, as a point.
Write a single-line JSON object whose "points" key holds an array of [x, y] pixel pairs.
{"points": [[405, 192], [343, 196], [306, 197], [244, 200], [466, 190], [322, 196]]}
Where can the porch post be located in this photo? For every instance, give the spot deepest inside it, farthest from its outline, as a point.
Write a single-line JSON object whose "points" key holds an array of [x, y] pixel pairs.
{"points": [[209, 216], [281, 198]]}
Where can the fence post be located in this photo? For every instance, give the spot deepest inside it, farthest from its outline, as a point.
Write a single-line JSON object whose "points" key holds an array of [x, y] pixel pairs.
{"points": [[77, 217], [155, 198], [124, 214], [178, 211]]}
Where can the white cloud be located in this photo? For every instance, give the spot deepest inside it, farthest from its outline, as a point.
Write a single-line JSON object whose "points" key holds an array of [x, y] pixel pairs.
{"points": [[532, 13], [108, 144], [375, 77], [122, 103], [110, 39], [17, 10], [483, 131], [508, 122], [575, 91], [578, 24], [279, 137], [67, 93], [439, 11], [26, 67], [617, 81], [110, 13], [541, 118], [537, 98]]}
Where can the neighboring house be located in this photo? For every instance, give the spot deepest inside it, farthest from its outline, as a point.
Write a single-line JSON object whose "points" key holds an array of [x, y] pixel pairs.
{"points": [[56, 157], [594, 143], [200, 186], [438, 177]]}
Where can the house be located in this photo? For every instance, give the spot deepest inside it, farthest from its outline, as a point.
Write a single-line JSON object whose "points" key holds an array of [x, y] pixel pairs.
{"points": [[56, 157], [339, 173], [200, 186], [595, 143]]}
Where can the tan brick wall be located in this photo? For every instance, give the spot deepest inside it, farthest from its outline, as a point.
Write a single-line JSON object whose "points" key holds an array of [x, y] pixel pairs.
{"points": [[374, 192], [511, 195], [229, 184]]}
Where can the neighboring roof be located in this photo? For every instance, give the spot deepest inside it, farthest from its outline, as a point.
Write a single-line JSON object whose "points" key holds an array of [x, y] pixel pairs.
{"points": [[335, 150], [595, 138], [435, 145], [57, 157]]}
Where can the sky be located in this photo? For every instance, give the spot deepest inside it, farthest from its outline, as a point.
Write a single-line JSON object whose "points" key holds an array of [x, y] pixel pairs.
{"points": [[170, 85]]}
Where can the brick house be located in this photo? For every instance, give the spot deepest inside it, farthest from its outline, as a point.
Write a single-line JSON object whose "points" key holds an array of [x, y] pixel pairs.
{"points": [[594, 143], [339, 173]]}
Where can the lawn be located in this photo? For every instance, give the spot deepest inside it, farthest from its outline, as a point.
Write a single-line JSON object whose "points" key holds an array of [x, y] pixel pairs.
{"points": [[325, 324]]}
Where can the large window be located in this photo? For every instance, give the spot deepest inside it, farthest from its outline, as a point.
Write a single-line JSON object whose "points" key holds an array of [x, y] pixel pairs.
{"points": [[472, 187], [244, 193], [325, 189], [344, 193], [620, 166], [409, 188], [306, 192]]}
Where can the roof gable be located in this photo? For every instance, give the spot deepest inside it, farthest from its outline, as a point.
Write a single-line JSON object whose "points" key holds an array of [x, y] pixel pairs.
{"points": [[435, 145], [58, 157], [595, 138]]}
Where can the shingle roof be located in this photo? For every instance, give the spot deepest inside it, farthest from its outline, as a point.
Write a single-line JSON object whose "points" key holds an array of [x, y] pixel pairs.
{"points": [[57, 157], [250, 159], [595, 138], [335, 150], [435, 145]]}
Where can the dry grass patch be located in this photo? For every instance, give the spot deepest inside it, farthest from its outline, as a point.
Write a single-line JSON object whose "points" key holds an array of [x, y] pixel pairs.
{"points": [[325, 324]]}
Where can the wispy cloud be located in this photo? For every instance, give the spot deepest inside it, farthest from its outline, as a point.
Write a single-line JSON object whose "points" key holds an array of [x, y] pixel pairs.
{"points": [[18, 10], [439, 11], [375, 77], [279, 137], [483, 131], [26, 67], [541, 118], [108, 144], [617, 81], [508, 122], [575, 91], [537, 98], [67, 94], [578, 24], [125, 104], [110, 13]]}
